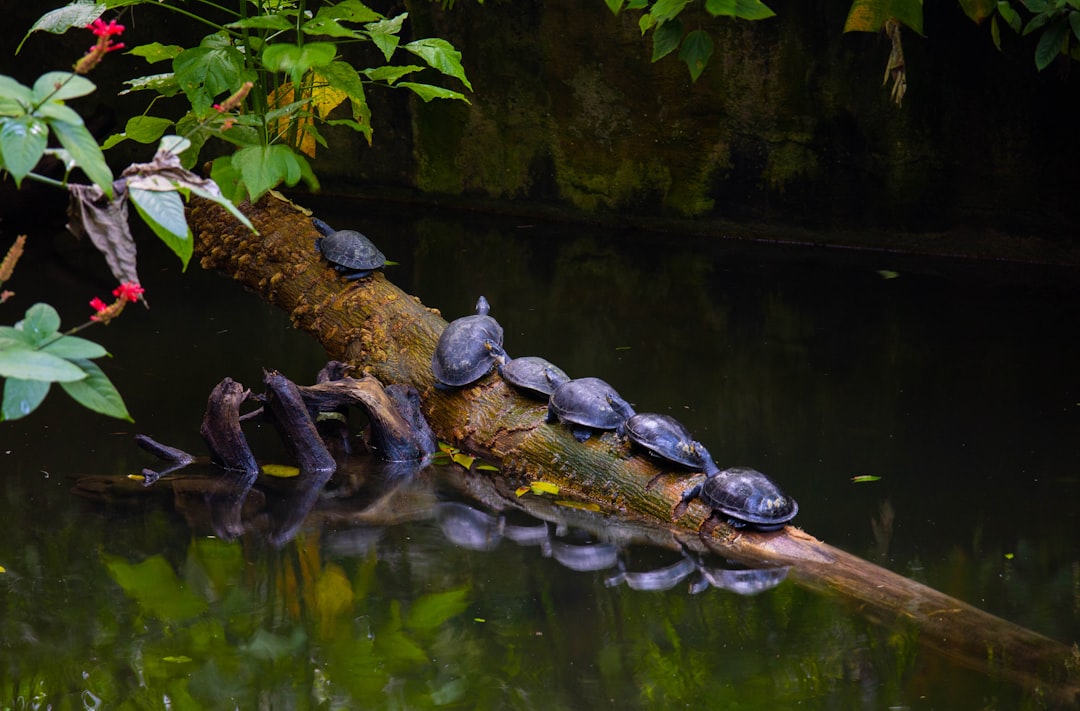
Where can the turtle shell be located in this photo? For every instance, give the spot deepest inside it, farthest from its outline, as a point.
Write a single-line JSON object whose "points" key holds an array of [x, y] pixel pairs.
{"points": [[588, 403], [666, 437], [748, 498], [468, 348], [533, 374], [351, 252]]}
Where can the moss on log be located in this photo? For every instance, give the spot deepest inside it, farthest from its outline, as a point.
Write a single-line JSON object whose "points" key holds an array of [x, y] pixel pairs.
{"points": [[386, 333]]}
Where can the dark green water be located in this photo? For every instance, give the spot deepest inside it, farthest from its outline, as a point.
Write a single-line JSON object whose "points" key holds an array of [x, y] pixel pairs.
{"points": [[955, 382]]}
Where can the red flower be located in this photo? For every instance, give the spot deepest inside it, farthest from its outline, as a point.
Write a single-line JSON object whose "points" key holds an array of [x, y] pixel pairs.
{"points": [[99, 306], [129, 291], [100, 29]]}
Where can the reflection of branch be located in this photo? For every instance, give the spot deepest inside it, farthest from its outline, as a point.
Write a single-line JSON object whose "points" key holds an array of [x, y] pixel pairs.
{"points": [[895, 68], [178, 457]]}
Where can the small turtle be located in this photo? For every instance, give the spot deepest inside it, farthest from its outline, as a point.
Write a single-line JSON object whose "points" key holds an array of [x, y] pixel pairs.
{"points": [[588, 404], [534, 375], [747, 497], [350, 252], [468, 348], [664, 436]]}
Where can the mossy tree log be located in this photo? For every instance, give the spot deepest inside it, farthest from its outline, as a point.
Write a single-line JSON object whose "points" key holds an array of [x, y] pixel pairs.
{"points": [[386, 333]]}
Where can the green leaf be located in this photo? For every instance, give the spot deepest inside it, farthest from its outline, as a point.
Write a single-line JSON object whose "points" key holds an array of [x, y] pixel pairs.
{"points": [[430, 612], [441, 55], [62, 19], [86, 153], [164, 84], [22, 143], [228, 178], [58, 86], [978, 10], [1011, 16], [163, 211], [13, 337], [40, 323], [664, 10], [328, 27], [870, 15], [742, 9], [156, 52], [342, 76], [155, 587], [1051, 43], [146, 129], [1074, 23], [697, 47], [386, 34], [427, 92], [614, 6], [60, 112], [96, 392], [27, 364], [21, 397], [208, 70], [390, 74], [350, 11], [262, 22], [265, 167], [74, 347], [296, 59], [15, 99], [666, 39], [225, 203]]}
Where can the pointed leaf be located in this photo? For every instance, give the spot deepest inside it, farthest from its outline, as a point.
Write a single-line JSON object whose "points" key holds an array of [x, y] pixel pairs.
{"points": [[666, 39], [427, 92], [391, 74], [164, 84], [96, 392], [21, 397], [84, 149], [664, 10], [1051, 43], [63, 19], [742, 9], [22, 143], [614, 6], [386, 34], [155, 52], [27, 364], [75, 347], [441, 55], [163, 211], [697, 47], [328, 27], [58, 86], [262, 22], [146, 129]]}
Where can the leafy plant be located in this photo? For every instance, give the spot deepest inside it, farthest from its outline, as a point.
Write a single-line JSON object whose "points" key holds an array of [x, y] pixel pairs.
{"points": [[286, 54]]}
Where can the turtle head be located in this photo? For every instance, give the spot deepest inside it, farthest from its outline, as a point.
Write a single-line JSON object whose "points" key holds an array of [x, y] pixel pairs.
{"points": [[482, 306], [496, 351]]}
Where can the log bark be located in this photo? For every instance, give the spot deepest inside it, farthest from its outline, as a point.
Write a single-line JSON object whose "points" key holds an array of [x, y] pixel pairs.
{"points": [[382, 331]]}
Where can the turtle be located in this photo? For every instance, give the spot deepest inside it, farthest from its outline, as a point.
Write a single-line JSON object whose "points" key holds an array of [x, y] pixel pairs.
{"points": [[468, 348], [348, 251], [664, 436], [587, 404], [534, 375], [748, 498]]}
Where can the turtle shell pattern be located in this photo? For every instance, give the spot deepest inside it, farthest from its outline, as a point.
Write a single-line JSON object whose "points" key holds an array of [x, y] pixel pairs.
{"points": [[666, 437], [468, 348], [533, 374], [748, 497], [590, 403], [349, 251]]}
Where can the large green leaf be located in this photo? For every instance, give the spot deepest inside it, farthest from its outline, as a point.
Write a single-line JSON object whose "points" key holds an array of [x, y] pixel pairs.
{"points": [[295, 60], [441, 55], [386, 34], [163, 211], [21, 397], [74, 347], [1051, 43], [40, 323], [666, 39], [86, 153], [870, 15], [146, 129], [58, 86], [742, 9], [328, 27], [697, 47], [208, 70], [63, 19], [27, 364], [15, 99], [664, 10], [96, 392], [22, 143], [154, 585], [265, 167]]}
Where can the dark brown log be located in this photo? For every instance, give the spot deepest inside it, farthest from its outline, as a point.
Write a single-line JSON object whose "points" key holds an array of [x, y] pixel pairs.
{"points": [[384, 332], [221, 430]]}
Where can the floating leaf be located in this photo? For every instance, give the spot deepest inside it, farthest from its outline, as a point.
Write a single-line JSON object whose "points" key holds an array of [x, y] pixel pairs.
{"points": [[180, 659], [136, 477], [1010, 556], [522, 490], [863, 478], [487, 467], [887, 274], [580, 505], [282, 471], [544, 487]]}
